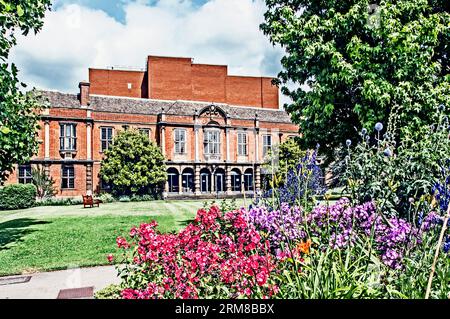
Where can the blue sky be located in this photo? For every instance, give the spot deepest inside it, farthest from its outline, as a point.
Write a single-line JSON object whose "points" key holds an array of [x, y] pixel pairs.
{"points": [[79, 34], [114, 8]]}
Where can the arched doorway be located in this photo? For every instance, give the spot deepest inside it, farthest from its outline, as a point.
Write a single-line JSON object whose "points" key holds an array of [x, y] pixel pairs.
{"points": [[219, 180], [248, 180], [187, 180], [173, 179], [236, 180], [205, 180]]}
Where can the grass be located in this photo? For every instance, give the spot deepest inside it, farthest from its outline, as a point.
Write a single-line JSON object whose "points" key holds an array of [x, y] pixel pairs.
{"points": [[52, 238]]}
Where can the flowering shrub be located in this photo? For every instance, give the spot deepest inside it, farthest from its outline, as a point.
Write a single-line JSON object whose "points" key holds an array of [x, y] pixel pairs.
{"points": [[216, 256], [279, 225], [339, 225]]}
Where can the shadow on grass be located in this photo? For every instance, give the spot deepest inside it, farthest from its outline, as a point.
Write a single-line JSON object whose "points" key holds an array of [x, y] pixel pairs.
{"points": [[14, 231]]}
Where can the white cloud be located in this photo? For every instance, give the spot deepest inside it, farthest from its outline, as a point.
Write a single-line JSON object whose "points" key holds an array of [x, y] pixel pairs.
{"points": [[75, 38]]}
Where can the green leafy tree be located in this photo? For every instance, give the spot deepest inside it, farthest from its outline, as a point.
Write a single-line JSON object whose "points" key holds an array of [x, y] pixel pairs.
{"points": [[349, 64], [284, 157], [18, 110], [134, 165]]}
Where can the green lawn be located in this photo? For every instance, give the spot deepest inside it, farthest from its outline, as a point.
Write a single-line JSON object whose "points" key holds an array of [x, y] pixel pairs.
{"points": [[50, 238]]}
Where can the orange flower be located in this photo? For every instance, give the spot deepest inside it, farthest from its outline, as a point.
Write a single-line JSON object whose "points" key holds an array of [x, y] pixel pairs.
{"points": [[303, 247]]}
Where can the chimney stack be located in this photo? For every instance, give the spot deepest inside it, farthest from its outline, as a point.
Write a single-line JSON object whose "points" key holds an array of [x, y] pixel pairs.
{"points": [[84, 93]]}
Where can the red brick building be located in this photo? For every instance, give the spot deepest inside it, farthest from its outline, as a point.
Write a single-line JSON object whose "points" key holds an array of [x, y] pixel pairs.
{"points": [[214, 129]]}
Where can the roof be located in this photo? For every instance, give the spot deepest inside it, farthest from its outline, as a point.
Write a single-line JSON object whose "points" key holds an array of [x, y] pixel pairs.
{"points": [[154, 107]]}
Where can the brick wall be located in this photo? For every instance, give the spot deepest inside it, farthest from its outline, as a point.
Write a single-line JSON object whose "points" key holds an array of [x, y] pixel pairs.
{"points": [[209, 83], [170, 78], [179, 79], [118, 83]]}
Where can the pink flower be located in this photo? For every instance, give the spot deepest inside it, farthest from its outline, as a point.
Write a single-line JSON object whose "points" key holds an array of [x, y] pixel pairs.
{"points": [[110, 258], [122, 243]]}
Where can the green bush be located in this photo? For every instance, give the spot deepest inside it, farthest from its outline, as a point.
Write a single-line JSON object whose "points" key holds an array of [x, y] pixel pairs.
{"points": [[106, 198], [109, 292], [17, 196], [60, 201], [124, 199]]}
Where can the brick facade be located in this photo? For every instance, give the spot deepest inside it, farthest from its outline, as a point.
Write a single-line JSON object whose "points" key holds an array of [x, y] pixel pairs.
{"points": [[173, 94]]}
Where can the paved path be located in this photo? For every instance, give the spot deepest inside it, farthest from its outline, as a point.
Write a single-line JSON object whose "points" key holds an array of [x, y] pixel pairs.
{"points": [[47, 285]]}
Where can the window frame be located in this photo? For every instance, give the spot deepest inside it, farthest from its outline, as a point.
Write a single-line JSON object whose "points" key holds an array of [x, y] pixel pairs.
{"points": [[71, 139], [106, 140], [267, 147], [180, 143], [25, 178], [210, 144], [67, 180], [242, 146]]}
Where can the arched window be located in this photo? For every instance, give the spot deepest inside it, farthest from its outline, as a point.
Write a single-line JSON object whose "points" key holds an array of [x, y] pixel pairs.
{"points": [[205, 181], [173, 180], [248, 180], [187, 180], [236, 180], [219, 179]]}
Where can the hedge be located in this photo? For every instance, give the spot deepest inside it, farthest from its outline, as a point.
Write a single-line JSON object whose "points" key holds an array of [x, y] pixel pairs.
{"points": [[17, 196]]}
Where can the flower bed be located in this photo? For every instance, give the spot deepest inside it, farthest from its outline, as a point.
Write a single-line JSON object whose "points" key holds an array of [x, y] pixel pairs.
{"points": [[218, 255], [353, 251]]}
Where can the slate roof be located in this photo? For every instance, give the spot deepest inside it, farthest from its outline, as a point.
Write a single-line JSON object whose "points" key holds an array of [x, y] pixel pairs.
{"points": [[153, 107]]}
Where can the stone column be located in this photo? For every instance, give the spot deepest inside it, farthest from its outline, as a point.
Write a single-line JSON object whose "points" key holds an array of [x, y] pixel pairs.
{"points": [[196, 129], [163, 141], [227, 136], [213, 181], [89, 188], [47, 139], [257, 178], [197, 180], [180, 183], [256, 145], [228, 181], [47, 169], [88, 141]]}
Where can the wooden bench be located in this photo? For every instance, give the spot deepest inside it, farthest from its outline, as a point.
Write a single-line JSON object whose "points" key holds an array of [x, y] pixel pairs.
{"points": [[89, 201]]}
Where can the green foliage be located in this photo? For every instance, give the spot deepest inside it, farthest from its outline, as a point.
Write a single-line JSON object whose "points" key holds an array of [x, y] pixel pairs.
{"points": [[134, 165], [412, 280], [352, 63], [124, 199], [45, 185], [18, 110], [333, 274], [398, 182], [106, 198], [109, 292], [285, 157], [17, 196], [225, 205], [52, 201]]}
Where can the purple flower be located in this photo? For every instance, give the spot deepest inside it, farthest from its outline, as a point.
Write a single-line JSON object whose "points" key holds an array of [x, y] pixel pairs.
{"points": [[446, 246]]}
